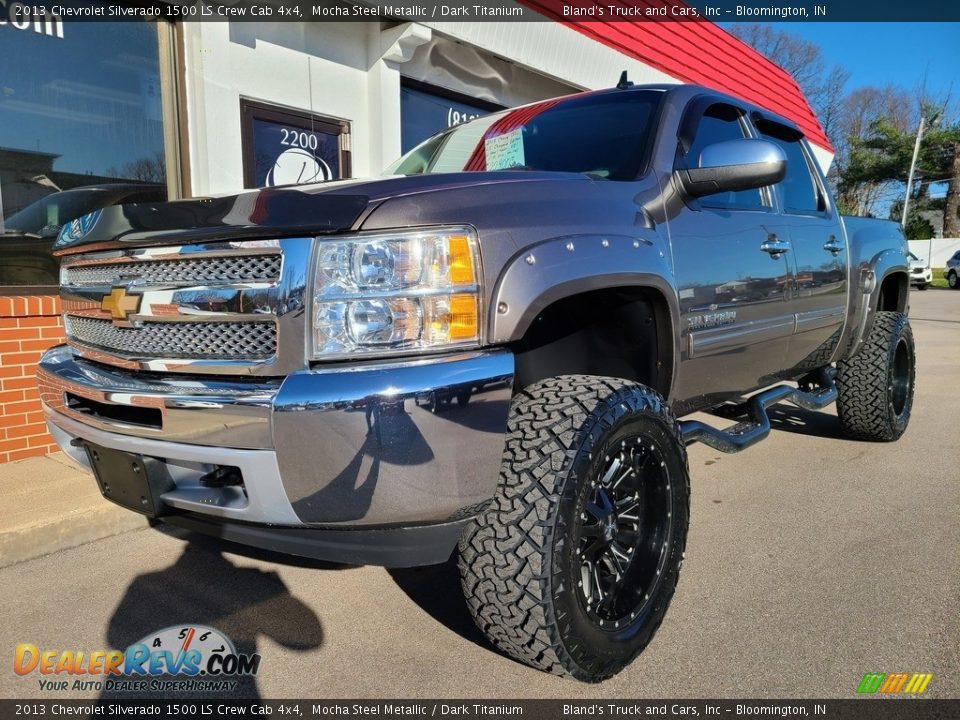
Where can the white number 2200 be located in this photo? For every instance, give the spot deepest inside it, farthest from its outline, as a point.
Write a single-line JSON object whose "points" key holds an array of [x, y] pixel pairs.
{"points": [[298, 138]]}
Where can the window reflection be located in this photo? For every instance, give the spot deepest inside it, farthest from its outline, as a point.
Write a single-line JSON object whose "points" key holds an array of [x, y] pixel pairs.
{"points": [[81, 127]]}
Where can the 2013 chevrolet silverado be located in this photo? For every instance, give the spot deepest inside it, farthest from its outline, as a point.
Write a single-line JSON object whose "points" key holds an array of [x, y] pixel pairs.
{"points": [[487, 348]]}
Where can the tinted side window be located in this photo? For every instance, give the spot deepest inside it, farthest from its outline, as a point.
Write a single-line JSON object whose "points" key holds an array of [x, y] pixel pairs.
{"points": [[800, 192], [720, 123]]}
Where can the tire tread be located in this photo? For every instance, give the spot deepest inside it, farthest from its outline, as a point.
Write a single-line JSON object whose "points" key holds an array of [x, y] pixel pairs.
{"points": [[505, 554], [862, 382]]}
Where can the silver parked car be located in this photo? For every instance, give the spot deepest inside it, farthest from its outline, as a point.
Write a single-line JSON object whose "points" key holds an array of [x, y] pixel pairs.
{"points": [[952, 271]]}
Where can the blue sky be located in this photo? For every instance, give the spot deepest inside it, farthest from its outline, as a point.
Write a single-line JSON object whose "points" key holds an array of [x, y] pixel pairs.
{"points": [[881, 53], [905, 54]]}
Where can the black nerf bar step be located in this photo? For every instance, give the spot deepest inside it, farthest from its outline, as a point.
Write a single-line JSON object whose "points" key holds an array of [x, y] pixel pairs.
{"points": [[816, 391]]}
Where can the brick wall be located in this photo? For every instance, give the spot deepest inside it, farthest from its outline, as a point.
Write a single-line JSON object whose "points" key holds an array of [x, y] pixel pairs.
{"points": [[28, 326]]}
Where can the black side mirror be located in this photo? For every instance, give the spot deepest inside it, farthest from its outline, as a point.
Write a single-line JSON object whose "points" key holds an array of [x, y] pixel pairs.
{"points": [[735, 165]]}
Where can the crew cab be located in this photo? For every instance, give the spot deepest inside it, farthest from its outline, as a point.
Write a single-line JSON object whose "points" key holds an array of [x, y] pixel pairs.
{"points": [[485, 352]]}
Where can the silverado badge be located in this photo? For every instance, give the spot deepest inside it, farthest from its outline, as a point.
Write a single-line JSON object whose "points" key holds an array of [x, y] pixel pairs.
{"points": [[714, 319]]}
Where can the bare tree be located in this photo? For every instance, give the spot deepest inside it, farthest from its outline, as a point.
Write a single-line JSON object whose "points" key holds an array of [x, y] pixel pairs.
{"points": [[805, 62], [152, 168], [856, 117]]}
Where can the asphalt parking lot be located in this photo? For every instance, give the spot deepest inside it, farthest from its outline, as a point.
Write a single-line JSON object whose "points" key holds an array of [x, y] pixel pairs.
{"points": [[811, 560]]}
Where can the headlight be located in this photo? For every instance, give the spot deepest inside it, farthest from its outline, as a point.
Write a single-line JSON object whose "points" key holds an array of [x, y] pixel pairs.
{"points": [[393, 292]]}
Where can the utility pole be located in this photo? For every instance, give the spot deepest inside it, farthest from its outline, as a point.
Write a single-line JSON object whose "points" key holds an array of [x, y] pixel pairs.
{"points": [[913, 165]]}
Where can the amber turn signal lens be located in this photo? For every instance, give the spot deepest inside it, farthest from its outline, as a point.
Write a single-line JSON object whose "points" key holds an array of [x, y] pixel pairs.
{"points": [[461, 260], [463, 317], [450, 318]]}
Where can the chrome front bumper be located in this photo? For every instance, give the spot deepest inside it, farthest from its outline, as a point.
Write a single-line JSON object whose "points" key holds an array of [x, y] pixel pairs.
{"points": [[364, 445]]}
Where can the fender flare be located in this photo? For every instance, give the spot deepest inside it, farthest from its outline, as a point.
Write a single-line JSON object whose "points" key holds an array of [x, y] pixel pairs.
{"points": [[558, 268], [867, 284]]}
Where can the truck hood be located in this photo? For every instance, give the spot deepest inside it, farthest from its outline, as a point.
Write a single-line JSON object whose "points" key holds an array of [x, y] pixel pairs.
{"points": [[267, 212]]}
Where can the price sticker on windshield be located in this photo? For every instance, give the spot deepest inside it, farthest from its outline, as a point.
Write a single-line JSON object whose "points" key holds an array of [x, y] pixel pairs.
{"points": [[505, 151]]}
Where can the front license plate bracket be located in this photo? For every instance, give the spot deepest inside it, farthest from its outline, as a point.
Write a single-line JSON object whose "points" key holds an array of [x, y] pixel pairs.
{"points": [[131, 480]]}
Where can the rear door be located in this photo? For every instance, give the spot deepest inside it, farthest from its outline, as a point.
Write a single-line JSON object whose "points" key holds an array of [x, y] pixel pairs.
{"points": [[818, 252], [735, 314]]}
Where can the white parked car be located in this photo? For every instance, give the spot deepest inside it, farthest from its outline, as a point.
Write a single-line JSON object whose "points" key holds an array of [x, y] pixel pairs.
{"points": [[920, 274]]}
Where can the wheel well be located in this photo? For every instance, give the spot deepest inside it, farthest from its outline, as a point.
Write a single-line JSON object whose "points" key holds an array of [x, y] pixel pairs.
{"points": [[893, 293], [622, 332]]}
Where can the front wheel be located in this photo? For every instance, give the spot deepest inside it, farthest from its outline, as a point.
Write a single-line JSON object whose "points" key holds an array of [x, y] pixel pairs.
{"points": [[573, 565], [923, 286], [953, 281], [875, 387]]}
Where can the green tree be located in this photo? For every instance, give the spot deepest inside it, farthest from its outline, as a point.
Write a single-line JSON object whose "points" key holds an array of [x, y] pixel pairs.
{"points": [[883, 154], [870, 145], [917, 227]]}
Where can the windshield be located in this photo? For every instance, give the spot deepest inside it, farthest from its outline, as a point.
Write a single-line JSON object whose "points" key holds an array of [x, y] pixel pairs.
{"points": [[604, 136]]}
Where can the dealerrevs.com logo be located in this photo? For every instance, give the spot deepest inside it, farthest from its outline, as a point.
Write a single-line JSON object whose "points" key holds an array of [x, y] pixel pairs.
{"points": [[192, 658]]}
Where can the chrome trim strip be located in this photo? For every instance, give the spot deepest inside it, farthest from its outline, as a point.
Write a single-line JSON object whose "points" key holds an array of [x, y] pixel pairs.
{"points": [[197, 412], [719, 340], [815, 319]]}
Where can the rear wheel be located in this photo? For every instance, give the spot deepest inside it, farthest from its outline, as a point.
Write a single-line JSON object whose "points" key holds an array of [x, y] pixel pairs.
{"points": [[573, 565], [875, 387], [953, 281]]}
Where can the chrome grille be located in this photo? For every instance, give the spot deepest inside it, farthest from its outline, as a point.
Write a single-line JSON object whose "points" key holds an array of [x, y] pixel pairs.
{"points": [[179, 340], [223, 308], [180, 271]]}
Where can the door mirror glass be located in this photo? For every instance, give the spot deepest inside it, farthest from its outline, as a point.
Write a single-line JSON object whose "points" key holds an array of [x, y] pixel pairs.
{"points": [[734, 165]]}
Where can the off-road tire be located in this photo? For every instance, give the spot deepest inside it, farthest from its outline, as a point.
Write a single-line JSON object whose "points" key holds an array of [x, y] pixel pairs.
{"points": [[519, 560], [875, 387]]}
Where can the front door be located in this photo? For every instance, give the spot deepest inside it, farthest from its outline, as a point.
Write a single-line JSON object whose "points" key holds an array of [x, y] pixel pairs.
{"points": [[730, 257]]}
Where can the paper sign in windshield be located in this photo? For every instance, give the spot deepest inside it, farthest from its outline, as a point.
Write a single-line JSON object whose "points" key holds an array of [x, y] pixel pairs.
{"points": [[504, 151]]}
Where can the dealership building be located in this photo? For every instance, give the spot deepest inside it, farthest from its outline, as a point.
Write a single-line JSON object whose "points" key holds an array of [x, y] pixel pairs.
{"points": [[201, 108]]}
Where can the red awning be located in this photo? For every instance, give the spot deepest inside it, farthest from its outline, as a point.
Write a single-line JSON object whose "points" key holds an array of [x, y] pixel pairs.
{"points": [[702, 53]]}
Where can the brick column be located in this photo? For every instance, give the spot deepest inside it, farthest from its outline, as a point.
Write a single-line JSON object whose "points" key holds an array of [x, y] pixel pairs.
{"points": [[29, 325]]}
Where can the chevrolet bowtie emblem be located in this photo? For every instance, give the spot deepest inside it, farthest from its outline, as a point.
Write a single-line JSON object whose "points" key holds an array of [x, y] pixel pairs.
{"points": [[119, 304]]}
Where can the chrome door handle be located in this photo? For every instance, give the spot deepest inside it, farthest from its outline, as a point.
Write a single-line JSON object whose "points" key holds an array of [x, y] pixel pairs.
{"points": [[832, 245], [775, 246]]}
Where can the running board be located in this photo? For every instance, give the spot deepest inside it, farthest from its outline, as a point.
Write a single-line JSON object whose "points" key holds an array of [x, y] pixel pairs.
{"points": [[749, 432]]}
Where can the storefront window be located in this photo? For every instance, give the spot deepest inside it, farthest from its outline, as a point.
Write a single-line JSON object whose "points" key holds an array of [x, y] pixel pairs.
{"points": [[287, 147], [81, 127], [425, 110]]}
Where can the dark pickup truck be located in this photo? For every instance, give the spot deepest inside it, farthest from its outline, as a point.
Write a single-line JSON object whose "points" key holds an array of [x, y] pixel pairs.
{"points": [[486, 351]]}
